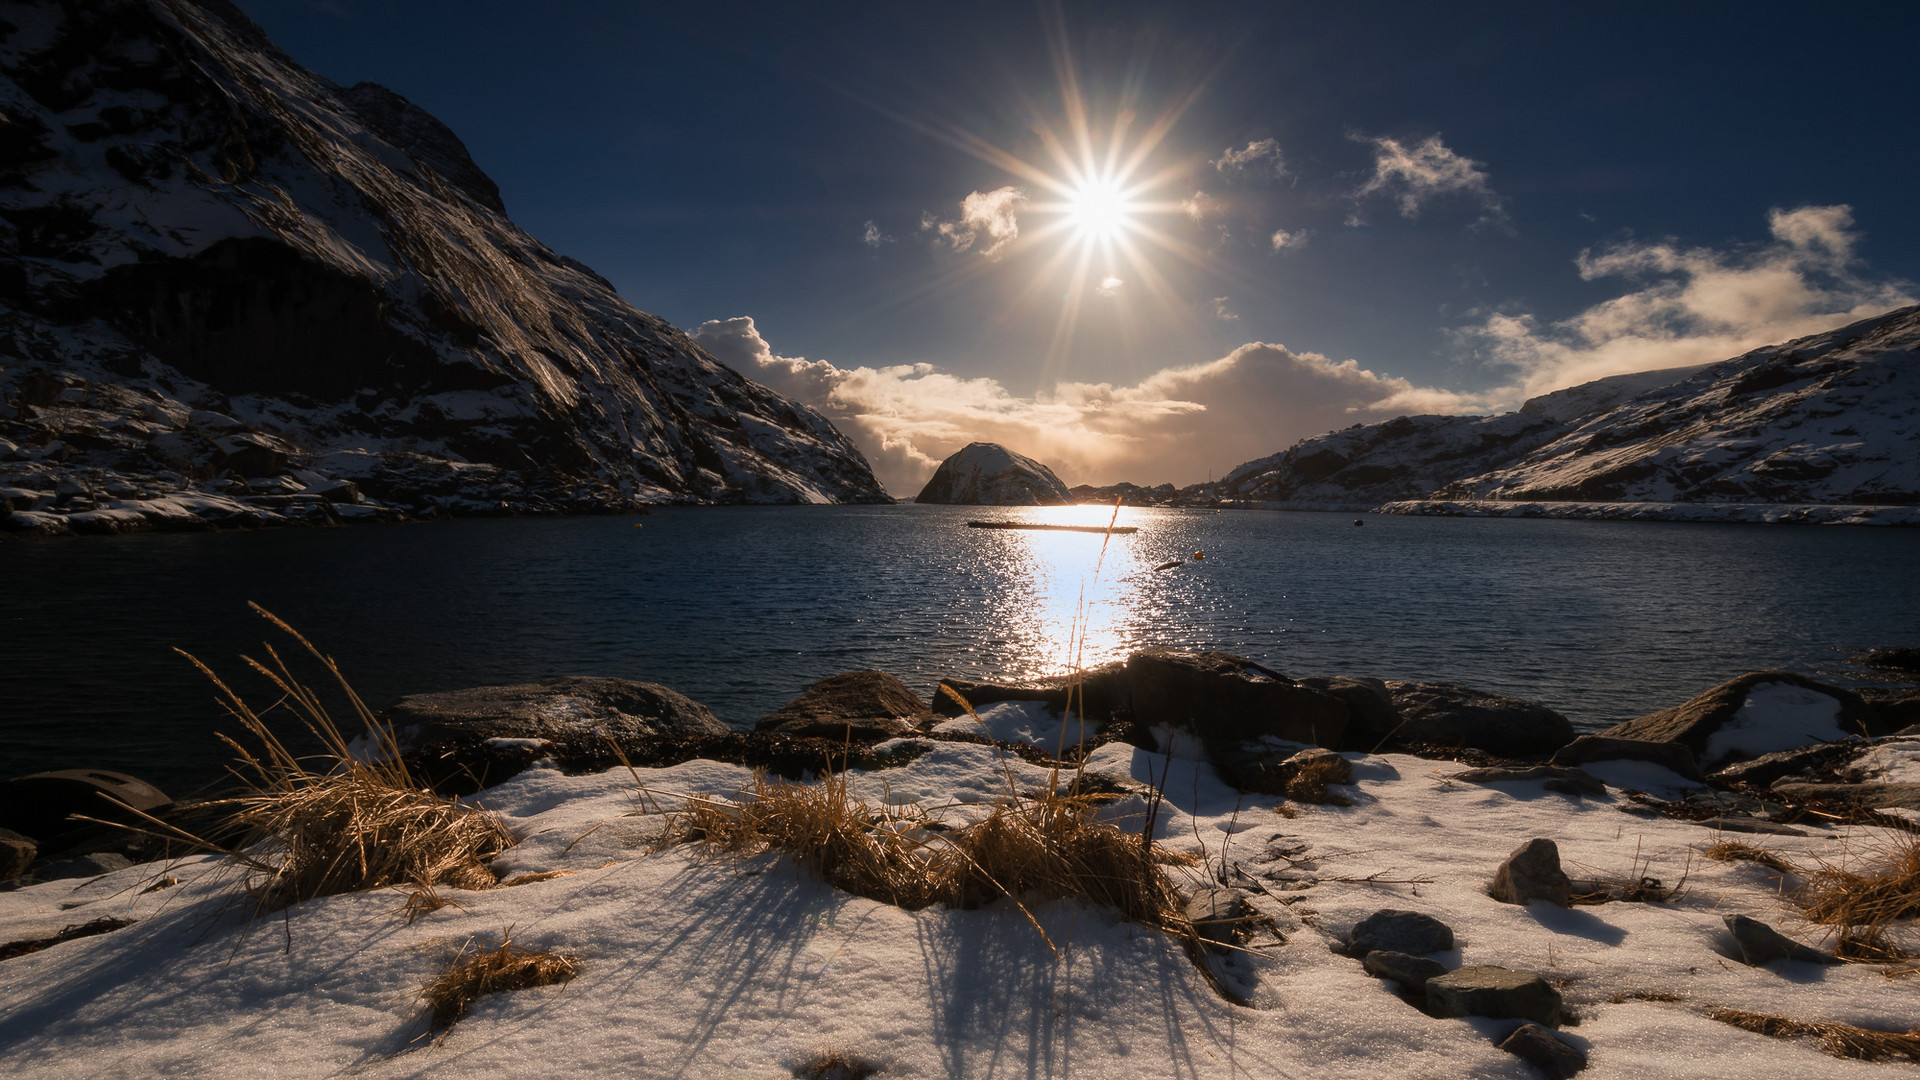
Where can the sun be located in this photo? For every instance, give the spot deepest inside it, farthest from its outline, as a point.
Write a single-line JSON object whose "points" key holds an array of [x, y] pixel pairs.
{"points": [[1099, 211]]}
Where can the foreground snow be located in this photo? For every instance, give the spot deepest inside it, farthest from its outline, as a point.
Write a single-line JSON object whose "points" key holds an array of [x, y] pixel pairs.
{"points": [[696, 966]]}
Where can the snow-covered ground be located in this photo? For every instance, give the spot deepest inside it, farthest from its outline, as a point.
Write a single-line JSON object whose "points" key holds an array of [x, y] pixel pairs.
{"points": [[700, 966]]}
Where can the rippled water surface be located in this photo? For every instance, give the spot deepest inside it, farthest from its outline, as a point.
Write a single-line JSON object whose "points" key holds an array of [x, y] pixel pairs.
{"points": [[740, 608]]}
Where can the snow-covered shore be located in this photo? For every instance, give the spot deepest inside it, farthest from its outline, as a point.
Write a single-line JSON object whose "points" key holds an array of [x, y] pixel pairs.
{"points": [[695, 965], [1747, 513]]}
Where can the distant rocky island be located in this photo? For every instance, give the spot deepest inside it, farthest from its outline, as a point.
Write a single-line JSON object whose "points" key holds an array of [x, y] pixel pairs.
{"points": [[988, 474], [233, 293]]}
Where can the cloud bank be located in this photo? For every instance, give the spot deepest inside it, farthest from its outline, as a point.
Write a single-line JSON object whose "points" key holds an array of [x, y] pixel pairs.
{"points": [[1695, 305], [1179, 424]]}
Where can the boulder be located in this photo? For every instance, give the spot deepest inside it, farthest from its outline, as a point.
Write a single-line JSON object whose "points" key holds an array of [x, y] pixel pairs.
{"points": [[1217, 913], [40, 805], [569, 708], [1447, 714], [1565, 780], [1495, 992], [1545, 1051], [1895, 707], [1588, 748], [1411, 972], [1762, 944], [1394, 930], [865, 705], [1227, 700], [1260, 769], [16, 854], [988, 474], [1371, 715], [1755, 714], [1532, 872], [1767, 768]]}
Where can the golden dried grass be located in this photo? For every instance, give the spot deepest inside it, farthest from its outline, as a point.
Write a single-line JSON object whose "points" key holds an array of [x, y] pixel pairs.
{"points": [[338, 821], [834, 1063], [1741, 851], [1864, 902], [1309, 783], [1840, 1040], [477, 972]]}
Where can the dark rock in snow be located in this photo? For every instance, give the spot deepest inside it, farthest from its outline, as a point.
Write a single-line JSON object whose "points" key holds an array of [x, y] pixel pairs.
{"points": [[1447, 714], [1217, 913], [1227, 700], [1567, 780], [565, 708], [1767, 768], [1762, 944], [1495, 992], [988, 474], [1532, 872], [1871, 796], [1395, 930], [1411, 972], [1694, 723], [40, 805], [1371, 715], [1545, 1051], [864, 705], [1260, 769], [1588, 748], [16, 854]]}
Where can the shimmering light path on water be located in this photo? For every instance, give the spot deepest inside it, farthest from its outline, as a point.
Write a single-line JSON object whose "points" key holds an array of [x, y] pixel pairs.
{"points": [[740, 608]]}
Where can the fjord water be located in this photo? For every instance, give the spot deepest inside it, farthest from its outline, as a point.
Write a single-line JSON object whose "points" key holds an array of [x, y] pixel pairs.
{"points": [[741, 608]]}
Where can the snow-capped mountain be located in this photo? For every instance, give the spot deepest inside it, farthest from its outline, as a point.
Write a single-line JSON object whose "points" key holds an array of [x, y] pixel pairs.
{"points": [[988, 474], [226, 279], [1832, 419]]}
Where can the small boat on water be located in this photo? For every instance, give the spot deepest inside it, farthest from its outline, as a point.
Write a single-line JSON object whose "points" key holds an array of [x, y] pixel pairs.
{"points": [[1050, 528]]}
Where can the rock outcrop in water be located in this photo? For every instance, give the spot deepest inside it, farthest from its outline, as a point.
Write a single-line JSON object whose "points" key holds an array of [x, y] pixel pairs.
{"points": [[988, 474], [232, 292]]}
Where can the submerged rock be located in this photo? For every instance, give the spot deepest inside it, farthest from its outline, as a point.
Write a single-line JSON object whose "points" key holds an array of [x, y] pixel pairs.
{"points": [[988, 474]]}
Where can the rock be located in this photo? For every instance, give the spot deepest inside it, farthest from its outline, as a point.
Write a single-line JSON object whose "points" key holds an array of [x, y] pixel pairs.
{"points": [[1394, 930], [1755, 714], [568, 708], [1101, 692], [1749, 825], [865, 705], [1532, 872], [1871, 796], [1372, 717], [39, 805], [1761, 944], [988, 474], [1567, 780], [1258, 768], [1495, 992], [1411, 972], [1545, 1051], [1733, 802], [1447, 714], [1217, 913], [1227, 700], [1767, 768], [16, 854], [1896, 707], [1586, 748], [1903, 659], [85, 866]]}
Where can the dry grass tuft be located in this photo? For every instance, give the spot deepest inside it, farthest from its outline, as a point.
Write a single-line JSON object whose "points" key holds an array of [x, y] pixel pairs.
{"points": [[476, 973], [1888, 889], [1641, 890], [1046, 844], [1741, 851], [528, 879], [1840, 1040], [334, 823], [1644, 995], [834, 1063], [1309, 783]]}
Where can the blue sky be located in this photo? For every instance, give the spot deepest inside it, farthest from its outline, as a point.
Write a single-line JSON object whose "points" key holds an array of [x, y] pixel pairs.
{"points": [[1335, 214]]}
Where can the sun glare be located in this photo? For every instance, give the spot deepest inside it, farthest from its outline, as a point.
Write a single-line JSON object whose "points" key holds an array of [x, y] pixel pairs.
{"points": [[1099, 210]]}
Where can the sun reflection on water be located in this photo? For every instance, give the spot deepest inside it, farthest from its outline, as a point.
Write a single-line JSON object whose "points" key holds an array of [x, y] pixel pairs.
{"points": [[1078, 602]]}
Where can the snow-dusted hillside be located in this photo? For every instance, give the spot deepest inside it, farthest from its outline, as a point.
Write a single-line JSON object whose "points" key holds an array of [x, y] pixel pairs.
{"points": [[1828, 420], [224, 279], [1833, 418]]}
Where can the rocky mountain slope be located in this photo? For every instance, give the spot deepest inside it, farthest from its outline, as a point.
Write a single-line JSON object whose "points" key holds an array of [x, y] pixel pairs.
{"points": [[232, 290], [1832, 419], [988, 474]]}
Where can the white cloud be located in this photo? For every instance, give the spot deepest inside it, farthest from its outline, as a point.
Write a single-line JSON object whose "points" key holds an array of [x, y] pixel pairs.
{"points": [[1260, 160], [1283, 240], [986, 219], [1417, 174], [1201, 207], [1109, 285], [1179, 424], [1221, 310], [1696, 305], [873, 237]]}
